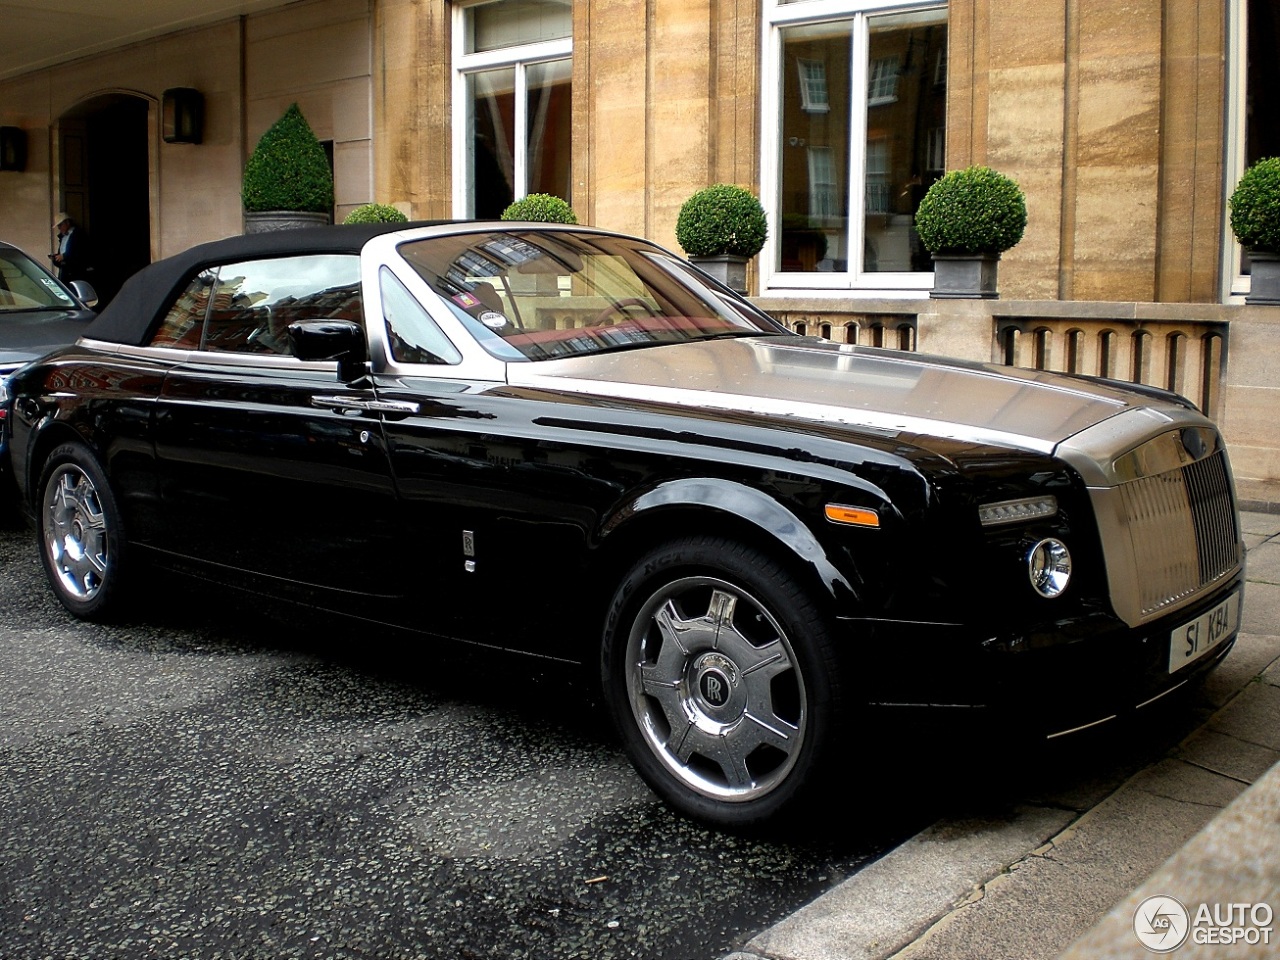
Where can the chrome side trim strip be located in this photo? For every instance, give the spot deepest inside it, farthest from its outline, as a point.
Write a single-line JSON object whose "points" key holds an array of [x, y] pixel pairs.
{"points": [[887, 423], [1176, 686], [1086, 726]]}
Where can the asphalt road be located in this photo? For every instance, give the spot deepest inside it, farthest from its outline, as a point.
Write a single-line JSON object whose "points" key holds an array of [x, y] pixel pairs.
{"points": [[224, 780], [227, 780]]}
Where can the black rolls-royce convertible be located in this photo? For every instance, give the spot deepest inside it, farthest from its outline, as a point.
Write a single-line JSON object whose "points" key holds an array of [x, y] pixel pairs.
{"points": [[570, 443]]}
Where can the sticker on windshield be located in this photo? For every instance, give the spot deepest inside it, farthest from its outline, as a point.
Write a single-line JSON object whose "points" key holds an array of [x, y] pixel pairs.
{"points": [[465, 300]]}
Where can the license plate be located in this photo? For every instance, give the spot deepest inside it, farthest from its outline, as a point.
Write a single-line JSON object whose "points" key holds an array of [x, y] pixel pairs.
{"points": [[1193, 640]]}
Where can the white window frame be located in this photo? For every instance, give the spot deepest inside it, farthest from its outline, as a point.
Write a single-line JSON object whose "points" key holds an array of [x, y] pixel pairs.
{"points": [[1235, 285], [519, 57], [776, 17]]}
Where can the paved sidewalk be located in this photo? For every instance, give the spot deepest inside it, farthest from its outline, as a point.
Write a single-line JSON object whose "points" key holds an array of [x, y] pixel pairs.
{"points": [[1200, 824]]}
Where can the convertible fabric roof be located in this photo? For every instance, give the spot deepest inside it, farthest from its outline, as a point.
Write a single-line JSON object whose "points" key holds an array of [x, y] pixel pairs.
{"points": [[133, 313]]}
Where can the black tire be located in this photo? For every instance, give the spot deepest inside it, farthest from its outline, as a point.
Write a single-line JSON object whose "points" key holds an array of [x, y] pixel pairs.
{"points": [[82, 546], [734, 722]]}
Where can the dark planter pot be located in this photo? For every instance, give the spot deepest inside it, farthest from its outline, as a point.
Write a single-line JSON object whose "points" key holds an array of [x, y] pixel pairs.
{"points": [[268, 221], [727, 268], [1264, 278], [964, 276]]}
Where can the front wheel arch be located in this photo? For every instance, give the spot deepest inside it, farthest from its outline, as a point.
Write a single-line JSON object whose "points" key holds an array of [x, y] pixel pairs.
{"points": [[727, 508]]}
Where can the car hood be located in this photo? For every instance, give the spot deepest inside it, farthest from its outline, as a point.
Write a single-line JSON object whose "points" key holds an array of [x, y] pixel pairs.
{"points": [[816, 380], [26, 335]]}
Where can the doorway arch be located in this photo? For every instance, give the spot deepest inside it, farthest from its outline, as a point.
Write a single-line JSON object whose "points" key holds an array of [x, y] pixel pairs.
{"points": [[104, 182]]}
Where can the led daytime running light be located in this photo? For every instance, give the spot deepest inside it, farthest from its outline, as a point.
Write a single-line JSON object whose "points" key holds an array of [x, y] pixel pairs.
{"points": [[1017, 511]]}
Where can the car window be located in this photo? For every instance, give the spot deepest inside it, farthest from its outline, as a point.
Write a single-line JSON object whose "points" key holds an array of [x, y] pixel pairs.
{"points": [[247, 307], [526, 295], [414, 336], [25, 285], [184, 323]]}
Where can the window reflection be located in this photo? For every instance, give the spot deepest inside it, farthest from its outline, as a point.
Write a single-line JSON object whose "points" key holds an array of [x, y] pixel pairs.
{"points": [[247, 307], [537, 296]]}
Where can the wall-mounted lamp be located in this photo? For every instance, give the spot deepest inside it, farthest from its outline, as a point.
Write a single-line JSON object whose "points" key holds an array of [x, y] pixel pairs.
{"points": [[13, 148], [182, 115]]}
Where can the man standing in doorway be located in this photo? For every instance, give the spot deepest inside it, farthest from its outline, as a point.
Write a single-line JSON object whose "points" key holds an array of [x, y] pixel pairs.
{"points": [[72, 258]]}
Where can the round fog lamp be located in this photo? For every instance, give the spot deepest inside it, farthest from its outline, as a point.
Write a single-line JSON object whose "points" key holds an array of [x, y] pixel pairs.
{"points": [[1049, 565]]}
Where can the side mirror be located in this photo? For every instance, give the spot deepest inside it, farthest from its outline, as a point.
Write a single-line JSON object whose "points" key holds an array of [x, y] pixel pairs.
{"points": [[84, 290], [340, 340]]}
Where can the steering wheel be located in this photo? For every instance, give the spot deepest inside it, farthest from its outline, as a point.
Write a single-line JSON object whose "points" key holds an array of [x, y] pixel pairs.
{"points": [[619, 308]]}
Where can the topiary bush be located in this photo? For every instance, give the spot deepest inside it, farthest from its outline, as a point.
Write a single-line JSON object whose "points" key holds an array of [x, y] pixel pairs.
{"points": [[1255, 207], [288, 169], [721, 219], [375, 213], [972, 211], [540, 208]]}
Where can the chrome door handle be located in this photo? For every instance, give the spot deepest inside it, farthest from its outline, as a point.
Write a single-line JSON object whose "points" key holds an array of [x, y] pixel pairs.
{"points": [[368, 406]]}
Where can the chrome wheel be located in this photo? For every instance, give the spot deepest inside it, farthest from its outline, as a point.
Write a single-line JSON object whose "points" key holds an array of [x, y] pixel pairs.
{"points": [[75, 533], [715, 689]]}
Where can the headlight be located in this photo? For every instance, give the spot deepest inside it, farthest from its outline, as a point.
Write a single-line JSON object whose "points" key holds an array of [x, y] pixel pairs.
{"points": [[1049, 566], [1013, 511]]}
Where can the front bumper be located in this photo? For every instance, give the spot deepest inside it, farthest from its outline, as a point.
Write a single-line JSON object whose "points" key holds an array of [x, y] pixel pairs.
{"points": [[1053, 679]]}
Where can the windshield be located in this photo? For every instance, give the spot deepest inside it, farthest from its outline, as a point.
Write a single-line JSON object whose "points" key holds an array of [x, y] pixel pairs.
{"points": [[529, 295], [24, 285]]}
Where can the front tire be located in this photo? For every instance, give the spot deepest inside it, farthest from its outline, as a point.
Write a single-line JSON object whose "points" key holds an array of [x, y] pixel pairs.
{"points": [[721, 676], [79, 530]]}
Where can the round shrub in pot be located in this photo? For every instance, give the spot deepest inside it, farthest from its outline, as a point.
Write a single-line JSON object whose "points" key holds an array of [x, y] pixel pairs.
{"points": [[287, 174], [375, 213], [721, 227], [540, 208], [1255, 220], [966, 220]]}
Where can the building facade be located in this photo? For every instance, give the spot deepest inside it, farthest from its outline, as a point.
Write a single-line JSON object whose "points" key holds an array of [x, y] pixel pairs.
{"points": [[1126, 126]]}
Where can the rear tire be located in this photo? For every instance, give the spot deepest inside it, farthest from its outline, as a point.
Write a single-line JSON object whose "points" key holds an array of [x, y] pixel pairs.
{"points": [[721, 676], [80, 535]]}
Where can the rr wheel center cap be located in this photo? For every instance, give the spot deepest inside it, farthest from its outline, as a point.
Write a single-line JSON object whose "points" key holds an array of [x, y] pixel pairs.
{"points": [[716, 687]]}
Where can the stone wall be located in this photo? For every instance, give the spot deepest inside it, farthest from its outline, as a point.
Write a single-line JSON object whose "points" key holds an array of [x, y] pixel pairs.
{"points": [[249, 70], [1110, 116]]}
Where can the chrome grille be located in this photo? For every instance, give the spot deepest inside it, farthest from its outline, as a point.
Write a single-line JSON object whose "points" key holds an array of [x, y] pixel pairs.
{"points": [[1183, 528]]}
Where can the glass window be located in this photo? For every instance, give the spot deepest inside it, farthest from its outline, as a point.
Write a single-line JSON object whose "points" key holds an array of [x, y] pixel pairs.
{"points": [[183, 325], [847, 179], [25, 285], [882, 85], [515, 109], [537, 296], [815, 154], [247, 307], [491, 102], [512, 23], [414, 336]]}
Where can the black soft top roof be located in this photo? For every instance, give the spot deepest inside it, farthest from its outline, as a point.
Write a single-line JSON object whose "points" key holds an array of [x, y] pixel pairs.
{"points": [[134, 311]]}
